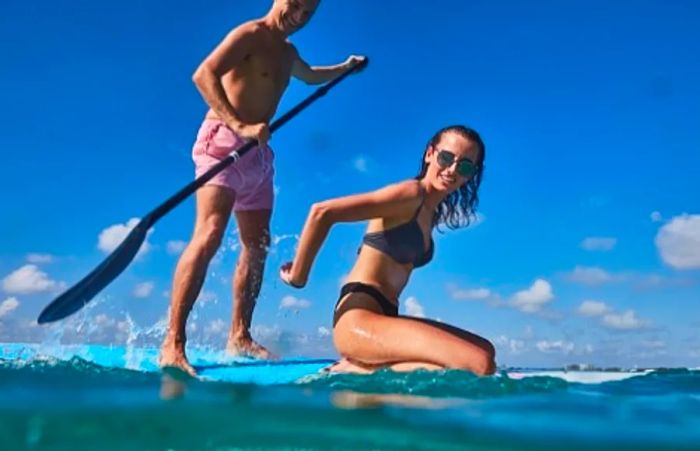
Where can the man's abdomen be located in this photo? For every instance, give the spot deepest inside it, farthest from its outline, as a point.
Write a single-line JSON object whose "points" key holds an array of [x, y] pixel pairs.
{"points": [[254, 100]]}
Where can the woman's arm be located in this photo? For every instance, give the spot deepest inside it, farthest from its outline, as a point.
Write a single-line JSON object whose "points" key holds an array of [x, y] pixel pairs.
{"points": [[392, 200]]}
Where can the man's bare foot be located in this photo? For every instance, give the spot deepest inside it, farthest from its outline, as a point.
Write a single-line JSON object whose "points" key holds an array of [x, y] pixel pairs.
{"points": [[174, 358], [247, 347]]}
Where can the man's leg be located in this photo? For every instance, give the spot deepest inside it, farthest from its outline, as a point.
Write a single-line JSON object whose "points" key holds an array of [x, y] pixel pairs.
{"points": [[214, 205], [254, 233]]}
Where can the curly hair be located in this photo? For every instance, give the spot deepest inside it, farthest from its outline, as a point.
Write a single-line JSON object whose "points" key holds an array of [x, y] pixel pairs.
{"points": [[459, 208]]}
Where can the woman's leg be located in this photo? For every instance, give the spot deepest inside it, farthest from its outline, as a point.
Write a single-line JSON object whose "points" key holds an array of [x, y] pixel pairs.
{"points": [[370, 340]]}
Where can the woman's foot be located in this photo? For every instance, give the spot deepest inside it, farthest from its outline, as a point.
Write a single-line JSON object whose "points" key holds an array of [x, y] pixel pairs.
{"points": [[346, 366]]}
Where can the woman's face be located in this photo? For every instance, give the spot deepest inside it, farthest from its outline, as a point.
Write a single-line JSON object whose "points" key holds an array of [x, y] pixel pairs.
{"points": [[452, 162]]}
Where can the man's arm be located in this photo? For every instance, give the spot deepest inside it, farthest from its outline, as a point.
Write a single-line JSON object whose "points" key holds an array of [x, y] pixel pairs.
{"points": [[235, 46], [321, 74]]}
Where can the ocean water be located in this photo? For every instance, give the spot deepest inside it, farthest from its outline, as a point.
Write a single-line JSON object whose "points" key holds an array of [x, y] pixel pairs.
{"points": [[64, 400]]}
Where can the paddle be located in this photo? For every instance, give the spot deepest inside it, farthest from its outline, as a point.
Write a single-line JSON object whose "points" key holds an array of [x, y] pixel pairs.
{"points": [[82, 292]]}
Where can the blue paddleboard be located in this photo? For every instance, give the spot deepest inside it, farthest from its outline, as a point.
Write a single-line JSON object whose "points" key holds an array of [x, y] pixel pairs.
{"points": [[217, 366]]}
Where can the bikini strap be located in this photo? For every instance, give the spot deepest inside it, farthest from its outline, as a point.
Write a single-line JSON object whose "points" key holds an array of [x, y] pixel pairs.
{"points": [[422, 201]]}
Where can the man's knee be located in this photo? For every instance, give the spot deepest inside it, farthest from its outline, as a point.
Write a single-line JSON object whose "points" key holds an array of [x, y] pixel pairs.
{"points": [[207, 238]]}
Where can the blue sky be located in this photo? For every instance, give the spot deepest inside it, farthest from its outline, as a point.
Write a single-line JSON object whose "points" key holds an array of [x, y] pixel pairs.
{"points": [[588, 244]]}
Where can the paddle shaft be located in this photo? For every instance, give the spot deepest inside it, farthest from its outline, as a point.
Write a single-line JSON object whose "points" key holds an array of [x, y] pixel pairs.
{"points": [[77, 296]]}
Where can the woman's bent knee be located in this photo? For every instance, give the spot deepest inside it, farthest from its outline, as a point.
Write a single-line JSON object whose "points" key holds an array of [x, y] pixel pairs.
{"points": [[481, 362], [488, 361]]}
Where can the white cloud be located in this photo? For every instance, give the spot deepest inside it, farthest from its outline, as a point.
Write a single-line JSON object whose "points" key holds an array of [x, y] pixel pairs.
{"points": [[534, 298], [656, 216], [589, 275], [105, 329], [143, 290], [564, 347], [678, 242], [291, 302], [20, 330], [625, 321], [324, 332], [111, 237], [413, 308], [598, 243], [263, 333], [124, 327], [593, 308], [8, 305], [28, 279], [102, 320], [175, 247], [360, 163], [514, 346], [39, 258], [469, 294]]}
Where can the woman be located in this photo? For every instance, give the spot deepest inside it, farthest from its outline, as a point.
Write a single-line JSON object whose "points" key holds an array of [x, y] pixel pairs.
{"points": [[367, 329]]}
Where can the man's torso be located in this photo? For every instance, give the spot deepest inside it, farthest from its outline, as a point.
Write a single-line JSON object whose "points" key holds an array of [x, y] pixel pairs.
{"points": [[255, 86]]}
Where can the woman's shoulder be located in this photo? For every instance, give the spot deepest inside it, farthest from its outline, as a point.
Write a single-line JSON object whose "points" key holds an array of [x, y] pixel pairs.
{"points": [[406, 194], [410, 188]]}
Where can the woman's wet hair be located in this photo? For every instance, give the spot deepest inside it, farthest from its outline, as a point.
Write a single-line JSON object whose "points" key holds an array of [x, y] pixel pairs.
{"points": [[459, 208]]}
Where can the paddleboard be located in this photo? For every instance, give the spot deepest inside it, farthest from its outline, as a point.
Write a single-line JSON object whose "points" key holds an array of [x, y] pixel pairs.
{"points": [[219, 367]]}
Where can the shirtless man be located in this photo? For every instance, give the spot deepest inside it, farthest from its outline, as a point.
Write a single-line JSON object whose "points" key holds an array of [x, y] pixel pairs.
{"points": [[242, 81]]}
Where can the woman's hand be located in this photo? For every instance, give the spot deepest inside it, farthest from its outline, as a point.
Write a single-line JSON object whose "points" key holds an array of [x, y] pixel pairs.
{"points": [[286, 276]]}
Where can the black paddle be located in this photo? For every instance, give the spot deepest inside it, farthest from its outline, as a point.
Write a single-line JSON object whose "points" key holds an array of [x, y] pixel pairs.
{"points": [[82, 292]]}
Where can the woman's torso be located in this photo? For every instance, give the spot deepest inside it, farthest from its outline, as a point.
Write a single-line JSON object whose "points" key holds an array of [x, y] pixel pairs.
{"points": [[375, 266]]}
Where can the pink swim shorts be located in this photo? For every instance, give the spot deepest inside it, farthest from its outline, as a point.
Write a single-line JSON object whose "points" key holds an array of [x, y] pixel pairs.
{"points": [[250, 178]]}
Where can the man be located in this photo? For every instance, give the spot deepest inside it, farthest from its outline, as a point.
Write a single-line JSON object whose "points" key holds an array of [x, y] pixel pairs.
{"points": [[242, 81]]}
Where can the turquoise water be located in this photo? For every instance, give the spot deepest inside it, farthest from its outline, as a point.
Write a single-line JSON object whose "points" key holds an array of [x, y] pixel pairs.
{"points": [[70, 403]]}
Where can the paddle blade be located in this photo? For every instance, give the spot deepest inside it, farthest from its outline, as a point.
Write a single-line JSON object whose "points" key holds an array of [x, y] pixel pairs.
{"points": [[82, 292]]}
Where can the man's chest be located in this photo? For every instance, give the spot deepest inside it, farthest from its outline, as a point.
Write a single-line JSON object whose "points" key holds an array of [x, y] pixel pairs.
{"points": [[271, 64]]}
